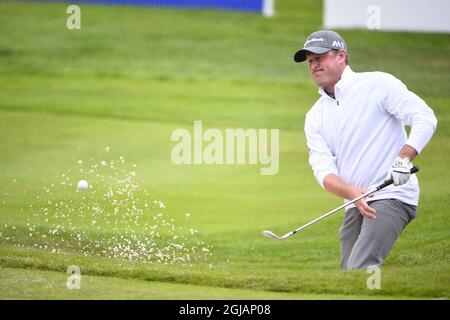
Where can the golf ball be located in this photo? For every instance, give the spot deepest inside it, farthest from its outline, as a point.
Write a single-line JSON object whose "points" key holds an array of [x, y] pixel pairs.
{"points": [[82, 185]]}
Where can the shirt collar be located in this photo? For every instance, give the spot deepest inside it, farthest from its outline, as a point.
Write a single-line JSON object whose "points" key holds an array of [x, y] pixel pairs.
{"points": [[347, 77]]}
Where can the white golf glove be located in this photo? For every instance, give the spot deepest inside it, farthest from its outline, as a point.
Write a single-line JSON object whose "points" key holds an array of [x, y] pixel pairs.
{"points": [[399, 172]]}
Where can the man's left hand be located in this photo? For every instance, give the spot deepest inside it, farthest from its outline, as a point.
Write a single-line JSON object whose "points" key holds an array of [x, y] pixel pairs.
{"points": [[399, 171]]}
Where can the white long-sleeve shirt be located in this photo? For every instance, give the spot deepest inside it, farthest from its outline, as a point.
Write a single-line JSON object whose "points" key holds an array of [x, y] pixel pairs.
{"points": [[358, 134]]}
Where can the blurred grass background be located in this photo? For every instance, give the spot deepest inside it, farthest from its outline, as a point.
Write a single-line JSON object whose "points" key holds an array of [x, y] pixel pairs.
{"points": [[132, 75]]}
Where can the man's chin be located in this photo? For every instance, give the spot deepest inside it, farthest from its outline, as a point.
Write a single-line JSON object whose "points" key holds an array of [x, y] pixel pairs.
{"points": [[319, 83]]}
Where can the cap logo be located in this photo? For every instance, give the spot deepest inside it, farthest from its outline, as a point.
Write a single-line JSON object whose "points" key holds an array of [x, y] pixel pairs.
{"points": [[313, 40], [338, 44]]}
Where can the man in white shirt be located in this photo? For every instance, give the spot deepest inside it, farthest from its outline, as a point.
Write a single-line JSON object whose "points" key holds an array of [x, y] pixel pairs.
{"points": [[356, 138]]}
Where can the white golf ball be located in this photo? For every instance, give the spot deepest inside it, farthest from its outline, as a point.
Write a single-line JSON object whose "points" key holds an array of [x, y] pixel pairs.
{"points": [[82, 185]]}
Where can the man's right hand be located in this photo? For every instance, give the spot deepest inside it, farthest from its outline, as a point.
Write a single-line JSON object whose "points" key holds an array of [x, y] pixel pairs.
{"points": [[334, 184], [361, 205]]}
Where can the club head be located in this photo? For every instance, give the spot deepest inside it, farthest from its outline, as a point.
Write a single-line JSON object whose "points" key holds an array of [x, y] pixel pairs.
{"points": [[270, 234]]}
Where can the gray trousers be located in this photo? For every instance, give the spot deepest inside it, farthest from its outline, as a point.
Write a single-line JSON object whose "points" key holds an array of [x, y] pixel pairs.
{"points": [[367, 242]]}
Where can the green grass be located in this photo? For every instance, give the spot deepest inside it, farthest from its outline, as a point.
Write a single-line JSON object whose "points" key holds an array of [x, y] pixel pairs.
{"points": [[130, 77], [37, 284]]}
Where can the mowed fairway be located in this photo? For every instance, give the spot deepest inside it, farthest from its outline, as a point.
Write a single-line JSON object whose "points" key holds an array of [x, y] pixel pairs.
{"points": [[131, 76]]}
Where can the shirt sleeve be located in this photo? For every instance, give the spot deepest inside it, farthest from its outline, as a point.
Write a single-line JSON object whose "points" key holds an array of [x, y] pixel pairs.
{"points": [[412, 110], [321, 158]]}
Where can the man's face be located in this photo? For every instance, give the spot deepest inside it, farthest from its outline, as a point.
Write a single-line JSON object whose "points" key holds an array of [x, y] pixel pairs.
{"points": [[326, 69]]}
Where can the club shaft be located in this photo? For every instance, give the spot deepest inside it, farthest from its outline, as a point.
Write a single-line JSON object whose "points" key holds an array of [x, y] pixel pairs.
{"points": [[335, 210], [368, 193]]}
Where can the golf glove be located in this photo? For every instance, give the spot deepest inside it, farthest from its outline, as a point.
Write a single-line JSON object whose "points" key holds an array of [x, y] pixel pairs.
{"points": [[399, 172]]}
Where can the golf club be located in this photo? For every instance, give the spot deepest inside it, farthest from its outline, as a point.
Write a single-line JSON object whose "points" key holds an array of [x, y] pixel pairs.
{"points": [[270, 234]]}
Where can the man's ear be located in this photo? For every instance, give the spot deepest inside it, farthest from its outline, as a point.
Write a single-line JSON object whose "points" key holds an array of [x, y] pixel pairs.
{"points": [[342, 55]]}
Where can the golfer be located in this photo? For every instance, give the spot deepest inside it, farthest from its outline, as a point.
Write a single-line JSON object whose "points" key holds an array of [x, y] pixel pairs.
{"points": [[356, 139]]}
